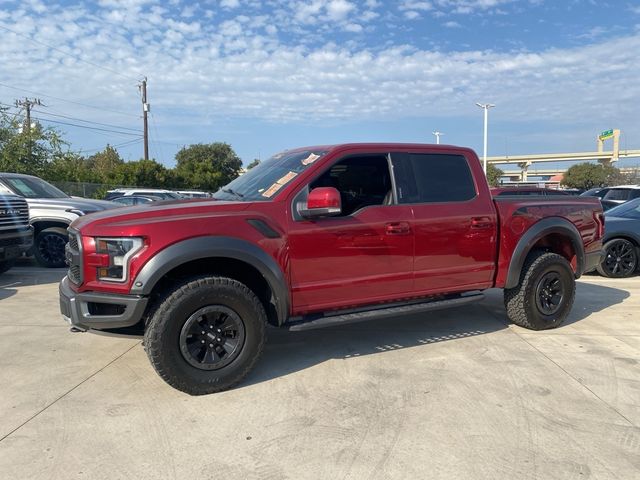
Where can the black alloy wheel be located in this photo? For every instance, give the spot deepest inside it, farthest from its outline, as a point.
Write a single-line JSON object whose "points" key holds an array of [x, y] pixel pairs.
{"points": [[212, 337], [49, 247], [620, 259], [549, 293]]}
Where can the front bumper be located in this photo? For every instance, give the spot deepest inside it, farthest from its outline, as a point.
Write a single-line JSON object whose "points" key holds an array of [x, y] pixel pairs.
{"points": [[13, 244], [100, 311], [592, 260]]}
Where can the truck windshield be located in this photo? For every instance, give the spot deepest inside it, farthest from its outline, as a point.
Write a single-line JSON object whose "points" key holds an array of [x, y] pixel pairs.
{"points": [[32, 187], [265, 180]]}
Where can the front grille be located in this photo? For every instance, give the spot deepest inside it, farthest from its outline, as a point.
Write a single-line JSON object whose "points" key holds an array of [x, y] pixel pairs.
{"points": [[14, 213], [73, 253]]}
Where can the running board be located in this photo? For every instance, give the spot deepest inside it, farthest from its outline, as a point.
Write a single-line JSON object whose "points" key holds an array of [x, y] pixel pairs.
{"points": [[312, 322]]}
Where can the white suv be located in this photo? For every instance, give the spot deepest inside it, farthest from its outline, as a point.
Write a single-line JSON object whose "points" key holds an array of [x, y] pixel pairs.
{"points": [[622, 193], [145, 192]]}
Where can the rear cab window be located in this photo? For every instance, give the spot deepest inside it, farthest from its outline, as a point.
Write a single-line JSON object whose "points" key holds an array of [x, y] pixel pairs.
{"points": [[618, 194], [432, 178]]}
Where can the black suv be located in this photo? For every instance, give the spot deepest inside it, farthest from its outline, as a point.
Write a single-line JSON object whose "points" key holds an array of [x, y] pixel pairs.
{"points": [[16, 235]]}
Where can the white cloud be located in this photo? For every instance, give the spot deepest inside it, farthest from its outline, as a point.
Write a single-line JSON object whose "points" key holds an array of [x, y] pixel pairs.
{"points": [[229, 4]]}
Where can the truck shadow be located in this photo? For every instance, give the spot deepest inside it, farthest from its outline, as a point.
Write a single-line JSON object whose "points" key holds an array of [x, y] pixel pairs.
{"points": [[26, 273], [288, 352]]}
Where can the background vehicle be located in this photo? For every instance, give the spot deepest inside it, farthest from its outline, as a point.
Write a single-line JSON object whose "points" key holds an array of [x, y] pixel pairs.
{"points": [[50, 213], [622, 241], [320, 236], [622, 193], [135, 199], [145, 192], [193, 194], [525, 191], [599, 192], [16, 235]]}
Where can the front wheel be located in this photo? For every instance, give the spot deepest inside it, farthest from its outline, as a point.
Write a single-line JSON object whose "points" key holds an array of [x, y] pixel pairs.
{"points": [[545, 294], [48, 247], [620, 259], [206, 335]]}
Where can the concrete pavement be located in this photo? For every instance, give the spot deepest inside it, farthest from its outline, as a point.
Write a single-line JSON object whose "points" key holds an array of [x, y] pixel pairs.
{"points": [[453, 394]]}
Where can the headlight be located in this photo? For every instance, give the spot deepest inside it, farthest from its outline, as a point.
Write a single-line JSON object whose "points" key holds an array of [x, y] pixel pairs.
{"points": [[119, 251]]}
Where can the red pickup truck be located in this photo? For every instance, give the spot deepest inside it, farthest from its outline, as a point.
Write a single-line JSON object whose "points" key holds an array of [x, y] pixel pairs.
{"points": [[320, 236]]}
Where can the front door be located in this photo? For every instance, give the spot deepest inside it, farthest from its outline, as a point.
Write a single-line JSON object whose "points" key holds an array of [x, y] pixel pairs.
{"points": [[363, 256]]}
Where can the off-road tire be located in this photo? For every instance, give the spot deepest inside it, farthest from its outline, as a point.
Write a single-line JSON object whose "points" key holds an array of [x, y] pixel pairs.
{"points": [[162, 337], [48, 247], [6, 265], [629, 264], [520, 301]]}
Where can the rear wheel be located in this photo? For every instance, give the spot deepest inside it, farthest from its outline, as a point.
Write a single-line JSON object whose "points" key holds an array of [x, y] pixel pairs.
{"points": [[620, 259], [49, 246], [206, 335], [545, 294]]}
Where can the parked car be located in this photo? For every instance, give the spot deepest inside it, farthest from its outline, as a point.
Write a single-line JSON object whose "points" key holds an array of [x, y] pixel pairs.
{"points": [[621, 241], [135, 199], [622, 193], [525, 191], [146, 192], [193, 194], [50, 213], [599, 192], [321, 236], [16, 235]]}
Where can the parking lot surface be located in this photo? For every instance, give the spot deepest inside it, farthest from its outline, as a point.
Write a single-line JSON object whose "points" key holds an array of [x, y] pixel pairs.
{"points": [[454, 394]]}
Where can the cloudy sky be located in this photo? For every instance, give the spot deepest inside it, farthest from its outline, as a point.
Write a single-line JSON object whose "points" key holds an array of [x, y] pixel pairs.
{"points": [[269, 75]]}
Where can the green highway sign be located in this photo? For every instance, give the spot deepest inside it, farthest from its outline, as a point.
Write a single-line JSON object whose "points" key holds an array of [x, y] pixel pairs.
{"points": [[606, 134]]}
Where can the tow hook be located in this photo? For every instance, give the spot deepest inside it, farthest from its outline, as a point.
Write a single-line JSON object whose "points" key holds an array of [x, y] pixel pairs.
{"points": [[76, 330]]}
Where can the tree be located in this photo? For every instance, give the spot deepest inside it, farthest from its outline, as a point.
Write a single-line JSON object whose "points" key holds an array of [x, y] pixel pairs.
{"points": [[207, 166], [255, 163], [590, 175], [493, 175], [105, 164], [27, 150], [142, 173]]}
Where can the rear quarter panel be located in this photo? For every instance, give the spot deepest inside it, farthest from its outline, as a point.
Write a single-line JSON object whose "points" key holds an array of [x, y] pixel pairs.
{"points": [[516, 215]]}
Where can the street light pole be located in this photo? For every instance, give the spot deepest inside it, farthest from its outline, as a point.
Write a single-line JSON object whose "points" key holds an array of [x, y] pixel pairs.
{"points": [[437, 134], [485, 107]]}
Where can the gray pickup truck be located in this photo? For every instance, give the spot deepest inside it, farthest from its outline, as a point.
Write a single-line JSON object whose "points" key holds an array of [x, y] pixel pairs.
{"points": [[16, 235], [51, 212]]}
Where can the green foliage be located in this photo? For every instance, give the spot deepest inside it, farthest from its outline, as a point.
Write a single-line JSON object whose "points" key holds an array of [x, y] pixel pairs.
{"points": [[255, 163], [25, 150], [207, 166], [493, 175], [590, 175]]}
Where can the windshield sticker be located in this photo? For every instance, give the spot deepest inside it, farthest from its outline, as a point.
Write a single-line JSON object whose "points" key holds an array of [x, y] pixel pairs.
{"points": [[281, 182], [310, 159], [287, 178], [271, 191]]}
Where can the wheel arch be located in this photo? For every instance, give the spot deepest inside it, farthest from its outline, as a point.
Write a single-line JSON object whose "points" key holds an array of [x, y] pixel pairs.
{"points": [[228, 256], [553, 234], [40, 224]]}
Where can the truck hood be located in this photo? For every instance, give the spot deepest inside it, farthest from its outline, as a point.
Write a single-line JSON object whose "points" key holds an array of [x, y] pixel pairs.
{"points": [[86, 205], [130, 221]]}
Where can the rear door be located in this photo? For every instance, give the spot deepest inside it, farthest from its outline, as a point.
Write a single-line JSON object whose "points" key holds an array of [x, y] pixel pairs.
{"points": [[454, 221]]}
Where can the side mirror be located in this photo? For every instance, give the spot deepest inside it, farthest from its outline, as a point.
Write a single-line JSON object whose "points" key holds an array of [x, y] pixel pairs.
{"points": [[322, 202]]}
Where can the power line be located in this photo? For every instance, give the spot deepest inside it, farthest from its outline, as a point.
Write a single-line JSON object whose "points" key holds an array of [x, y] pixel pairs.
{"points": [[90, 128], [88, 121], [123, 144], [103, 109], [67, 53]]}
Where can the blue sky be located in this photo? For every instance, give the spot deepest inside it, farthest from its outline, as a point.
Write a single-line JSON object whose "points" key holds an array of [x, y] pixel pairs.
{"points": [[269, 75]]}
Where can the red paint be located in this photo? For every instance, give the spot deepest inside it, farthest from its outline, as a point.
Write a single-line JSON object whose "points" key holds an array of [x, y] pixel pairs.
{"points": [[378, 254]]}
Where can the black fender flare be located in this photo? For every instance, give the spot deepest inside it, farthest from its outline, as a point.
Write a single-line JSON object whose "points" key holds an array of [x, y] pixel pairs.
{"points": [[538, 231], [206, 247]]}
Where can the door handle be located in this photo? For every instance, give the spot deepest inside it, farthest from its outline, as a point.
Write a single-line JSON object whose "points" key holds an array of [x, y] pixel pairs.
{"points": [[481, 222], [397, 228]]}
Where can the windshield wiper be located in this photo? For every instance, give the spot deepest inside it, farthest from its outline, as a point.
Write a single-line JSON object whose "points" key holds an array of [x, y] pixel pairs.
{"points": [[228, 190]]}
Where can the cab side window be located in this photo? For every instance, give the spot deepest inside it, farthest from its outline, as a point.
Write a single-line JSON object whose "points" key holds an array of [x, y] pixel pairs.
{"points": [[432, 178], [362, 181]]}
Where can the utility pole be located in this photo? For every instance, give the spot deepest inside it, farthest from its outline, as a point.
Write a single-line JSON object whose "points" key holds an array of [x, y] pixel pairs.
{"points": [[27, 103], [437, 134], [145, 110], [486, 107]]}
